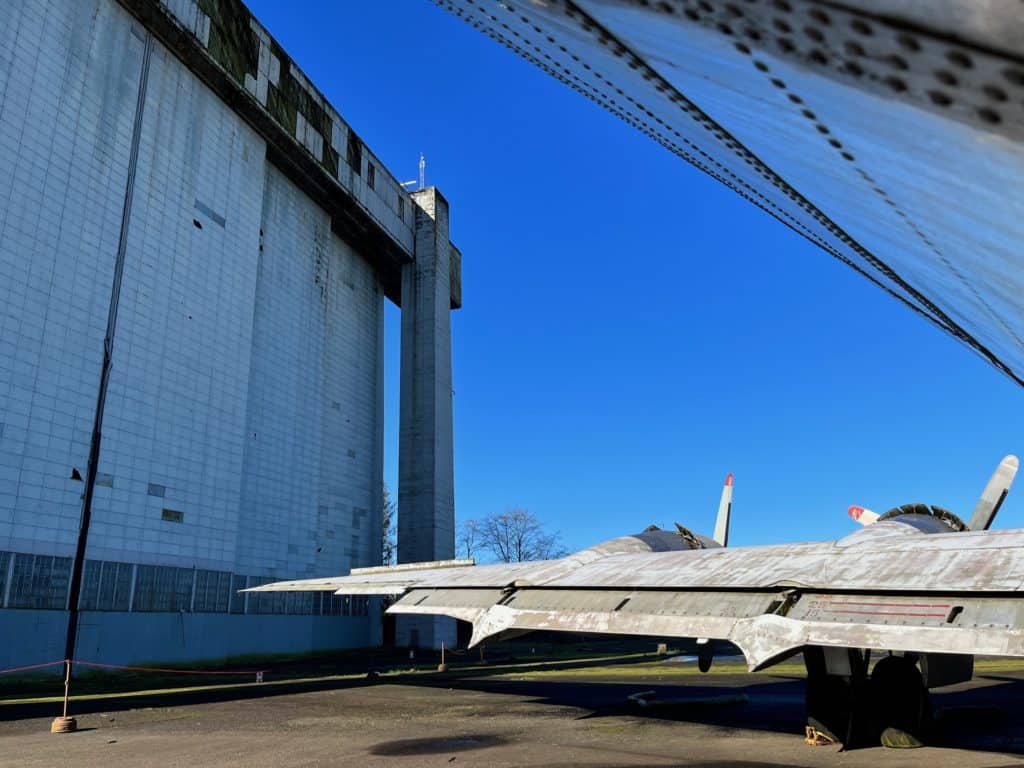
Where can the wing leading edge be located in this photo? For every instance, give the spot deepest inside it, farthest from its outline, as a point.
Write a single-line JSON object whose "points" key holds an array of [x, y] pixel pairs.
{"points": [[889, 585]]}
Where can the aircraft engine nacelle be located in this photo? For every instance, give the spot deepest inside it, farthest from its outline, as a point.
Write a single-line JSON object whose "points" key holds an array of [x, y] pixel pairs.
{"points": [[652, 539], [905, 520], [925, 518]]}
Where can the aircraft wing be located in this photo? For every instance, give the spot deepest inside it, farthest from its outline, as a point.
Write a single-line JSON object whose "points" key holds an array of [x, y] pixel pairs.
{"points": [[399, 579], [881, 587], [887, 132]]}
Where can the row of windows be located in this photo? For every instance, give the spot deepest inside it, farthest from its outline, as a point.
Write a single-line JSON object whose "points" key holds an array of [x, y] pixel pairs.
{"points": [[354, 156], [37, 581], [43, 582]]}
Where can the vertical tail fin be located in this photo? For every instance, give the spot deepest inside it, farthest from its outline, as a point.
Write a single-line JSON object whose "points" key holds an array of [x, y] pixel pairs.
{"points": [[994, 494], [724, 511]]}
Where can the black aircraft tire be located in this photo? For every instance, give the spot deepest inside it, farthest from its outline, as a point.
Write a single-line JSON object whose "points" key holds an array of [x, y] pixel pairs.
{"points": [[901, 703], [839, 706], [829, 706]]}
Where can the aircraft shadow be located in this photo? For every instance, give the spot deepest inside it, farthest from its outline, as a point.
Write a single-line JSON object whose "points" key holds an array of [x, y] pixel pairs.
{"points": [[274, 686], [985, 718]]}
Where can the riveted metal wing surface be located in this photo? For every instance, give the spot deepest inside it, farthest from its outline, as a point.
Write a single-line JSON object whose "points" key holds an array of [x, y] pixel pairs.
{"points": [[909, 582], [887, 132]]}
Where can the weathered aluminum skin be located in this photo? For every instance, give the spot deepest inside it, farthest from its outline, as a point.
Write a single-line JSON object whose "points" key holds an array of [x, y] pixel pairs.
{"points": [[887, 556], [896, 585], [888, 132]]}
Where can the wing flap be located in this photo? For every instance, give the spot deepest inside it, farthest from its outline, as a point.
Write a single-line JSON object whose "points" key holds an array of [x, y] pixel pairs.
{"points": [[765, 625]]}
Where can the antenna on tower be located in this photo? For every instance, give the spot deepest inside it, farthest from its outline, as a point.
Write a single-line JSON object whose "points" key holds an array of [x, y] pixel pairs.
{"points": [[423, 174]]}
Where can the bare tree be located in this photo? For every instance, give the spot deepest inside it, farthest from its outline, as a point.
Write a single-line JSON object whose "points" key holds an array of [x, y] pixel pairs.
{"points": [[387, 528], [516, 535], [468, 539]]}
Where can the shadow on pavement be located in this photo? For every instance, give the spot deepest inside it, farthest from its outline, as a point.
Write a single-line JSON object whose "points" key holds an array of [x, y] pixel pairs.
{"points": [[120, 700], [985, 717]]}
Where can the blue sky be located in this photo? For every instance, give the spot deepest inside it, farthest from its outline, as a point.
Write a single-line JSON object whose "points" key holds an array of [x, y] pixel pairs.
{"points": [[632, 330]]}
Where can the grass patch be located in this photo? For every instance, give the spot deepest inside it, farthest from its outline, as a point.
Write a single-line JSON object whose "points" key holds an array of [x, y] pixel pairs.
{"points": [[650, 670], [342, 666], [519, 661]]}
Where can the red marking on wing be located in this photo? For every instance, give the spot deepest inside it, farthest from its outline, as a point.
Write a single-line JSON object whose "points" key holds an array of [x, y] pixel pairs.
{"points": [[888, 605], [855, 512], [865, 608], [892, 613], [728, 479]]}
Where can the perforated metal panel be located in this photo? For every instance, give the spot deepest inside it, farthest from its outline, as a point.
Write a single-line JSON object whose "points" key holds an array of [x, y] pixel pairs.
{"points": [[892, 143]]}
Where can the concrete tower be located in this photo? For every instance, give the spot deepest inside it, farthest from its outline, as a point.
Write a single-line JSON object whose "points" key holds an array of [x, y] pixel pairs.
{"points": [[426, 480]]}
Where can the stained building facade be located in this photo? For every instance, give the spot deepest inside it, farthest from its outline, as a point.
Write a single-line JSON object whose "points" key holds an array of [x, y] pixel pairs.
{"points": [[178, 195]]}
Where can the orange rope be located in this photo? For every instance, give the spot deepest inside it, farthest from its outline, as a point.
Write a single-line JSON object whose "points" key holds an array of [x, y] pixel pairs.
{"points": [[30, 666], [170, 671]]}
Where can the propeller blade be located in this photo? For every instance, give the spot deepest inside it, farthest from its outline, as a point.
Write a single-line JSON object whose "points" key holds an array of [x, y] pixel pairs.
{"points": [[994, 494], [724, 512], [862, 515]]}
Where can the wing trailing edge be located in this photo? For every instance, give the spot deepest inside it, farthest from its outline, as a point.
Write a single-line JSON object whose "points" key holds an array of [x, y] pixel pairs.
{"points": [[768, 626]]}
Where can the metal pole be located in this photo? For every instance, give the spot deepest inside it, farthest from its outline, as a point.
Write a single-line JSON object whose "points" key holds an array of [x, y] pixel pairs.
{"points": [[65, 724], [108, 349], [67, 685]]}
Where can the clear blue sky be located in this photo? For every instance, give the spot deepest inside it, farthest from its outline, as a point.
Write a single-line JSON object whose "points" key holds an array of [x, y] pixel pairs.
{"points": [[632, 330]]}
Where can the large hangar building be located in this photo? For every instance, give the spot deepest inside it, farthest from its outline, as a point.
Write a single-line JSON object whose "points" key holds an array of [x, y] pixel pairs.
{"points": [[177, 193]]}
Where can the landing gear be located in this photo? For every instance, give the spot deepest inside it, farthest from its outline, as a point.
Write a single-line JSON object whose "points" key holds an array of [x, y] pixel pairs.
{"points": [[845, 705], [837, 686], [705, 654], [902, 705]]}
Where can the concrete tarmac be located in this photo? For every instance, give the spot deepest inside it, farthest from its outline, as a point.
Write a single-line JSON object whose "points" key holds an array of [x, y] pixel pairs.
{"points": [[479, 719]]}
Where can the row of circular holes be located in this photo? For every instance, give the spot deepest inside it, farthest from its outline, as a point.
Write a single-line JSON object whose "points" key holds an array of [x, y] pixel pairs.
{"points": [[819, 126], [956, 57], [763, 171], [878, 190], [897, 84], [649, 75], [951, 266], [907, 42], [611, 104], [800, 201], [823, 129], [766, 173], [862, 27]]}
